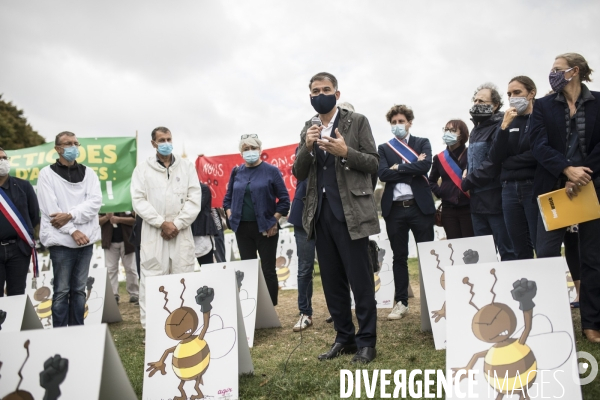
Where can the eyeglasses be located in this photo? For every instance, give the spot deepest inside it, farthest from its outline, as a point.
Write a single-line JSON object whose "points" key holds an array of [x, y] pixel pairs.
{"points": [[555, 70], [5, 158], [453, 130], [251, 136]]}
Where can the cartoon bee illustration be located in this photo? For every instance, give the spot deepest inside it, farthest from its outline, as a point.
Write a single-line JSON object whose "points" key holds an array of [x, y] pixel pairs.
{"points": [[44, 307], [283, 269], [2, 319], [441, 313], [192, 355], [21, 394], [92, 304], [571, 287], [511, 364]]}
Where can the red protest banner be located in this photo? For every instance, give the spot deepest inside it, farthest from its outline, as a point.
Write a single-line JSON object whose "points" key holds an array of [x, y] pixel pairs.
{"points": [[215, 171]]}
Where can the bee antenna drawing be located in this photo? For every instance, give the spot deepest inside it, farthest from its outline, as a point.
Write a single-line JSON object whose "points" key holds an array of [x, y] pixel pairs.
{"points": [[466, 282], [26, 345], [452, 253], [182, 292], [493, 272], [437, 258], [162, 290]]}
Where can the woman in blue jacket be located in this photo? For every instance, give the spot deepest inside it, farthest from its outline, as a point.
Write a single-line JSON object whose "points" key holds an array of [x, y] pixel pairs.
{"points": [[255, 200]]}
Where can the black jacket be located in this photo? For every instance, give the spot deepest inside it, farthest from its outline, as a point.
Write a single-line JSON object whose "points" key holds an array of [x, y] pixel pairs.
{"points": [[511, 149], [25, 199], [414, 174], [447, 191], [204, 225], [483, 180], [548, 141]]}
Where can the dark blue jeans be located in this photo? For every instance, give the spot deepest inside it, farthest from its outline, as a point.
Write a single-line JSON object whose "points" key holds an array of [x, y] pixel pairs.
{"points": [[71, 268], [493, 224], [306, 265], [13, 269], [520, 215]]}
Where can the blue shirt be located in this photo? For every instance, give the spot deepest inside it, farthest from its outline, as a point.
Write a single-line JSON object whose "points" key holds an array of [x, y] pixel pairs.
{"points": [[267, 190]]}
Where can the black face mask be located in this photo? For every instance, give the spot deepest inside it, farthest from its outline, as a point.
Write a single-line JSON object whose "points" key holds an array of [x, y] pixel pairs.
{"points": [[323, 103], [481, 112]]}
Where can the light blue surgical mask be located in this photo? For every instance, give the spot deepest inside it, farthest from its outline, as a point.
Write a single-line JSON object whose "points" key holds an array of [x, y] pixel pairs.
{"points": [[450, 138], [399, 131], [250, 156], [70, 153], [164, 149]]}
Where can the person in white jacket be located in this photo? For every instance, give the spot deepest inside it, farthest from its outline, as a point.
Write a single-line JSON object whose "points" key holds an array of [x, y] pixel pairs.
{"points": [[70, 198], [165, 192]]}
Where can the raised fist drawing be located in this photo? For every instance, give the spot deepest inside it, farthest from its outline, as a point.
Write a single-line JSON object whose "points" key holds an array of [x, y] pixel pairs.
{"points": [[470, 257], [2, 318], [524, 291], [90, 282], [54, 373], [204, 296], [239, 276]]}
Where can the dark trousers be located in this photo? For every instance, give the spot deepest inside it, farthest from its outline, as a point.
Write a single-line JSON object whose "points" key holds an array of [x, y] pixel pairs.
{"points": [[206, 259], [71, 267], [520, 216], [14, 266], [344, 265], [493, 224], [305, 250], [249, 241], [571, 241], [220, 247], [397, 224], [549, 244], [457, 222], [137, 259]]}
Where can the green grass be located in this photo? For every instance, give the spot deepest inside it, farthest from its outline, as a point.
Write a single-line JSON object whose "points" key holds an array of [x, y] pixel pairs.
{"points": [[400, 345]]}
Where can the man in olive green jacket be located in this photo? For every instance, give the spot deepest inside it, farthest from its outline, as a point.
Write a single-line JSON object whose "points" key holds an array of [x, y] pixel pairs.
{"points": [[337, 155]]}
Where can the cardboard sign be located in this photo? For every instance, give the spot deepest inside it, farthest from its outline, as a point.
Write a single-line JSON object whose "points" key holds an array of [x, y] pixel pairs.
{"points": [[286, 262], [79, 362], [17, 314], [232, 252], [100, 306], [512, 323], [434, 259], [384, 278], [257, 308], [195, 319]]}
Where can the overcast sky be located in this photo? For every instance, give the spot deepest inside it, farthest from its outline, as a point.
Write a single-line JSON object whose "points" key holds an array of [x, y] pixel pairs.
{"points": [[211, 71]]}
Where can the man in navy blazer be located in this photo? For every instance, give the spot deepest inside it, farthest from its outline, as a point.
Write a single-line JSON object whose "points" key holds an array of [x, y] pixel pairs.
{"points": [[407, 202], [565, 140]]}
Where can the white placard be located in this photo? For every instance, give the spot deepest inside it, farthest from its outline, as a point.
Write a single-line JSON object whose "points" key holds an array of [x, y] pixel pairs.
{"points": [[257, 308], [508, 317], [286, 263], [195, 345], [17, 314], [384, 278], [232, 252], [79, 362], [434, 259]]}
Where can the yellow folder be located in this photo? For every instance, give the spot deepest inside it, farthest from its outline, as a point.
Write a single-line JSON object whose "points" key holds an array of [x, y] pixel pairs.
{"points": [[558, 211]]}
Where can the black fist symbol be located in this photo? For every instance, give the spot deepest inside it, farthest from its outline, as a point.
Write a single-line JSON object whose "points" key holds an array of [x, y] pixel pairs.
{"points": [[239, 276], [470, 257], [54, 373], [204, 296], [524, 291]]}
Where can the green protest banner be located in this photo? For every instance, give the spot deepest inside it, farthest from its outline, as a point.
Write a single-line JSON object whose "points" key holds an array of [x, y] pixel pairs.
{"points": [[113, 159]]}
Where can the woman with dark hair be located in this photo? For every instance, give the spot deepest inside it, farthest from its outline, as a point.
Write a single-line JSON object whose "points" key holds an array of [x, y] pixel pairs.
{"points": [[449, 166], [511, 149], [204, 229]]}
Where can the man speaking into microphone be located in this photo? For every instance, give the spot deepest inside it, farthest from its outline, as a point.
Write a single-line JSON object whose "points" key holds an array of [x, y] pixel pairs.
{"points": [[337, 155]]}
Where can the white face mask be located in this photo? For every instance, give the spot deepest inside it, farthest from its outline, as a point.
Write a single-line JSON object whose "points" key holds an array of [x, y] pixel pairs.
{"points": [[520, 103], [4, 167]]}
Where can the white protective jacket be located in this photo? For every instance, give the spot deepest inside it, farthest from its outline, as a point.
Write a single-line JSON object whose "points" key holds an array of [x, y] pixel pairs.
{"points": [[82, 200]]}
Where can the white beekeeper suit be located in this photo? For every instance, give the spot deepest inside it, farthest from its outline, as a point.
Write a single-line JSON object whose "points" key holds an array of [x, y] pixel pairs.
{"points": [[162, 194]]}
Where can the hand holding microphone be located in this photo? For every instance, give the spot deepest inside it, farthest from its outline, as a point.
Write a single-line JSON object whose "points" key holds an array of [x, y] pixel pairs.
{"points": [[314, 132]]}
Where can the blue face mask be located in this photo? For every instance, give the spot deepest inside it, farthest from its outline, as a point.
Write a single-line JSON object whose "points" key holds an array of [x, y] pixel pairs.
{"points": [[399, 131], [450, 138], [70, 153], [250, 156], [164, 149]]}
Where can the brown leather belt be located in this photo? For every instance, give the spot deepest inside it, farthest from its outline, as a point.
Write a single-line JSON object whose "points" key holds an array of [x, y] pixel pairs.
{"points": [[404, 203]]}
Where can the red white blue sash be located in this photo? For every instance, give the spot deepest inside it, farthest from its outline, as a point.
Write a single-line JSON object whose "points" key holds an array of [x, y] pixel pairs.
{"points": [[17, 221], [405, 152], [452, 169]]}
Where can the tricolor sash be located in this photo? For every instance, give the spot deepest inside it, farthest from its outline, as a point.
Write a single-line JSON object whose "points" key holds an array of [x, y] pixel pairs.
{"points": [[452, 169], [405, 152], [17, 221]]}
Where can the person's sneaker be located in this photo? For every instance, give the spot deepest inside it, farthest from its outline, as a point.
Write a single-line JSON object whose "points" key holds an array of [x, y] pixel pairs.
{"points": [[399, 311], [304, 322], [134, 299]]}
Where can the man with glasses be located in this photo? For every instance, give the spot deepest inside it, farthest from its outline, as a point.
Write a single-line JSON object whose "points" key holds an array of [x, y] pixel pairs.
{"points": [[70, 199], [483, 178], [18, 202], [165, 192], [337, 155]]}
